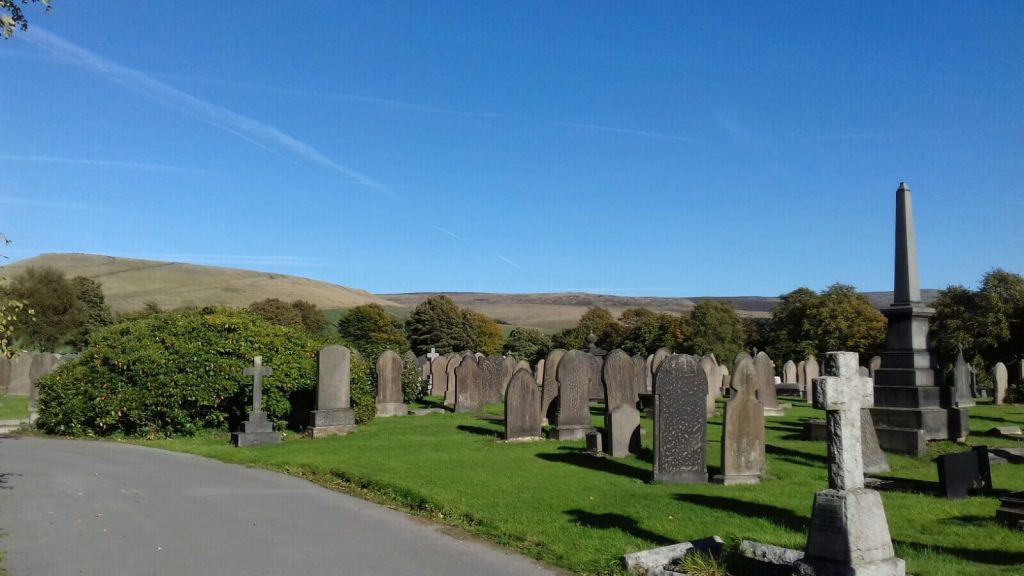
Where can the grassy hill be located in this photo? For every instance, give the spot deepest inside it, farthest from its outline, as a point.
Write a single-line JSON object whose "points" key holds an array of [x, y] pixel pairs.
{"points": [[129, 284]]}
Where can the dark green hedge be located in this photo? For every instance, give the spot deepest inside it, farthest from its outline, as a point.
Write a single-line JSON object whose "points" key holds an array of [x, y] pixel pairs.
{"points": [[181, 372]]}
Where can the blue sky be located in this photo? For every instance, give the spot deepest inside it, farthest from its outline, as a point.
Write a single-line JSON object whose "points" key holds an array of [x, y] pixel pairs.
{"points": [[670, 148]]}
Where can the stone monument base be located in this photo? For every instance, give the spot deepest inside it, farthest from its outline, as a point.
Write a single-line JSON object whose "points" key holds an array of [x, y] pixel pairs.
{"points": [[570, 432], [849, 536], [682, 477], [392, 409], [255, 431], [736, 479], [779, 411], [336, 421]]}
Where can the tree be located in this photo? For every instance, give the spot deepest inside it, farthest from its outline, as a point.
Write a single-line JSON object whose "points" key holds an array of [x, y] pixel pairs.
{"points": [[527, 344], [12, 17], [988, 324], [1003, 294], [597, 321], [484, 332], [277, 311], [644, 331], [438, 323], [716, 328], [10, 309], [57, 312], [311, 317], [97, 314], [842, 319], [371, 330], [787, 333]]}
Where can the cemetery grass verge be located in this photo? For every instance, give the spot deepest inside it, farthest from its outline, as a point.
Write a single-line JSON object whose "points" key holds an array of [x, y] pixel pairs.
{"points": [[555, 503], [13, 407]]}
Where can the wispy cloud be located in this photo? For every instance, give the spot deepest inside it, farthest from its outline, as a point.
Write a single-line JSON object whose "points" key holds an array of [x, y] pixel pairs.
{"points": [[49, 204], [254, 131], [363, 99], [627, 131], [883, 135], [509, 262], [96, 163], [448, 232]]}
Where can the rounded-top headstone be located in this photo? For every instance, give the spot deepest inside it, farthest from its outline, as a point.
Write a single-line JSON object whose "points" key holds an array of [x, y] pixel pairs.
{"points": [[575, 371], [522, 407], [618, 373]]}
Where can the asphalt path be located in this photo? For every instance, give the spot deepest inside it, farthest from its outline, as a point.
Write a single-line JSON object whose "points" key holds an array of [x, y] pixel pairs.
{"points": [[100, 508]]}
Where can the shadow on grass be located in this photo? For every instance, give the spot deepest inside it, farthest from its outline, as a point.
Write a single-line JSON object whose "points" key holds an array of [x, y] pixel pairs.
{"points": [[584, 459], [619, 522], [971, 520], [795, 456], [1010, 457], [438, 402], [979, 555], [781, 516], [479, 430]]}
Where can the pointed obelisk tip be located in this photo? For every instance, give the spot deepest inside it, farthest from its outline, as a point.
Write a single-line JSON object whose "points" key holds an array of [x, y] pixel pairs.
{"points": [[903, 186]]}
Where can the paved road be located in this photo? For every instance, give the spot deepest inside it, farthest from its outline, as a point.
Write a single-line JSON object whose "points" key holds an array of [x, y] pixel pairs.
{"points": [[104, 509]]}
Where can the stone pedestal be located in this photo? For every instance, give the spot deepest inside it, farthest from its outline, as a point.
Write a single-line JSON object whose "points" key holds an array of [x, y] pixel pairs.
{"points": [[849, 537], [392, 409], [567, 432], [336, 421], [255, 431]]}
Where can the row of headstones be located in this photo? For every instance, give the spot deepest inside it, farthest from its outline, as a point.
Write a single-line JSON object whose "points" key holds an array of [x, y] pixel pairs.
{"points": [[484, 382], [19, 374]]}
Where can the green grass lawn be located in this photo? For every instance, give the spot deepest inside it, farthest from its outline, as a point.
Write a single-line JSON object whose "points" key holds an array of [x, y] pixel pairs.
{"points": [[13, 407], [552, 501]]}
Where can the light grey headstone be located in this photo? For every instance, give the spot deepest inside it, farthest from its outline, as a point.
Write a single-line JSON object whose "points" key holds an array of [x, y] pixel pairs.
{"points": [[789, 372], [962, 382], [575, 370], [538, 372], [21, 368], [453, 365], [659, 356], [522, 407], [811, 373], [511, 365], [333, 413], [710, 368], [623, 431], [521, 365], [726, 380], [680, 425], [800, 375], [618, 380], [743, 452], [438, 376], [649, 376], [875, 460], [639, 377], [1000, 378], [874, 364], [389, 385], [864, 371], [765, 369], [469, 386], [549, 397]]}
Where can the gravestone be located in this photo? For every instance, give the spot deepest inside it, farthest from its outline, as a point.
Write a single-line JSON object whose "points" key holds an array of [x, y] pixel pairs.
{"points": [[469, 394], [521, 365], [639, 377], [726, 388], [863, 371], [333, 414], [257, 429], [649, 376], [522, 407], [596, 377], [549, 396], [1011, 510], [964, 472], [739, 358], [849, 533], [538, 372], [618, 380], [789, 372], [389, 385], [811, 373], [875, 460], [800, 376], [874, 364], [710, 368], [493, 371], [765, 369], [659, 356], [680, 421], [5, 374], [622, 427], [743, 452], [42, 364], [453, 364], [511, 366], [575, 371], [1000, 379], [962, 381], [21, 367], [438, 376]]}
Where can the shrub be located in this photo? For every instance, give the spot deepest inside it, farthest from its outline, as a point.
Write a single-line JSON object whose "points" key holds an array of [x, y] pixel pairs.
{"points": [[177, 373], [362, 390], [413, 388], [277, 311]]}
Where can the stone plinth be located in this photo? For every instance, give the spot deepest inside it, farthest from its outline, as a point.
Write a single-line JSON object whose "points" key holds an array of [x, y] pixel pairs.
{"points": [[849, 536], [337, 421], [255, 431]]}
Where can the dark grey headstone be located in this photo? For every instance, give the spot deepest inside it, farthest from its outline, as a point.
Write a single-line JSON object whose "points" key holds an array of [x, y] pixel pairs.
{"points": [[680, 428], [964, 472], [522, 407], [389, 385], [743, 452], [469, 394], [493, 369], [575, 371], [333, 414]]}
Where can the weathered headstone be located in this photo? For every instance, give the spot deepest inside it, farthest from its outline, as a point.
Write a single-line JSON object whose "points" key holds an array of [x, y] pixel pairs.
{"points": [[438, 375], [389, 385], [800, 376], [659, 356], [962, 381], [511, 366], [5, 374], [875, 460], [521, 365], [710, 368], [575, 371], [549, 396], [680, 425], [863, 371], [596, 377], [765, 369], [649, 376], [789, 372], [453, 364], [333, 414], [522, 407], [811, 373], [1000, 379], [743, 452], [469, 394], [257, 429], [538, 372], [726, 379], [639, 378], [493, 370], [618, 379], [622, 427], [849, 533], [21, 367]]}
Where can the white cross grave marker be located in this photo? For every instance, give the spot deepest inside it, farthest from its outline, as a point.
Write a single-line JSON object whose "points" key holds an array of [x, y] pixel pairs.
{"points": [[257, 371], [842, 397]]}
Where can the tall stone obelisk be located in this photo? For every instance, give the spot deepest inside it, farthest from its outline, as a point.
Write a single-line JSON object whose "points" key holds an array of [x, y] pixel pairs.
{"points": [[911, 406]]}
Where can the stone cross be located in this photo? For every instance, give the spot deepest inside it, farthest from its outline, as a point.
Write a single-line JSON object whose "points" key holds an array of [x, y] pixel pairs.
{"points": [[432, 354], [842, 394], [257, 371]]}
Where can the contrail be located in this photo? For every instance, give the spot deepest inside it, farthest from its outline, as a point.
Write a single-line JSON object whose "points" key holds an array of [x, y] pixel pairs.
{"points": [[93, 162], [450, 233], [242, 126], [643, 133], [509, 262]]}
